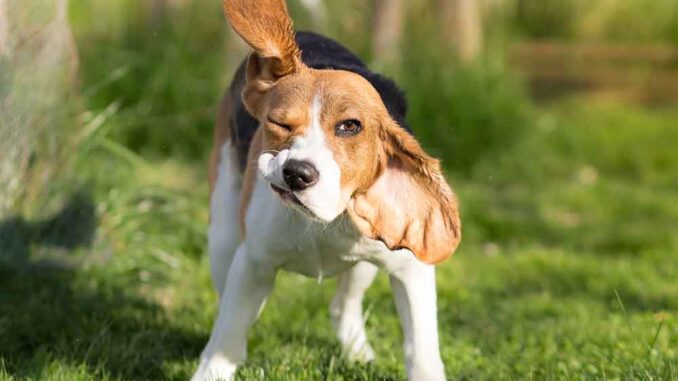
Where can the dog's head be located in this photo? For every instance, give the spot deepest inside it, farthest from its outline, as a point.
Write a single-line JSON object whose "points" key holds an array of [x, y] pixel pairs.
{"points": [[331, 147]]}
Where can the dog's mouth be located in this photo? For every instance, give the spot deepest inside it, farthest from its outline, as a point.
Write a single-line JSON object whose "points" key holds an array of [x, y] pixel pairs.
{"points": [[290, 198]]}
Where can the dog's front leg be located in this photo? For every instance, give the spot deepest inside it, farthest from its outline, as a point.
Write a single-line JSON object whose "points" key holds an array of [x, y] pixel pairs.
{"points": [[414, 289], [247, 286]]}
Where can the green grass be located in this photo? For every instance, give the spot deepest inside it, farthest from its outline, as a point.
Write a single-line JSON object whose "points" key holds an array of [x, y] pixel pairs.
{"points": [[567, 271]]}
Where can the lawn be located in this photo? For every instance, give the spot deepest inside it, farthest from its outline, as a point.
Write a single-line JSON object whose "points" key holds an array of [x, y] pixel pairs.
{"points": [[568, 269]]}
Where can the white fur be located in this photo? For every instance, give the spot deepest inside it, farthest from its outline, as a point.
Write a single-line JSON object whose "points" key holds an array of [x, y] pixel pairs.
{"points": [[224, 230], [324, 198], [271, 167], [346, 311]]}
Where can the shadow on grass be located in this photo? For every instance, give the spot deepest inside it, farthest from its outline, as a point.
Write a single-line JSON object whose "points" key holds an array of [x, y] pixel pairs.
{"points": [[71, 228], [55, 311], [47, 315]]}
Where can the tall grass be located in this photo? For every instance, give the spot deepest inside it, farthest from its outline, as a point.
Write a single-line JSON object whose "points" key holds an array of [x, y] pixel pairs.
{"points": [[166, 75]]}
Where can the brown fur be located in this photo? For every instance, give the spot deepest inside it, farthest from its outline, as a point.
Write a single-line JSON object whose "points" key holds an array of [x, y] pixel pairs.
{"points": [[409, 205], [397, 192], [266, 26], [222, 133]]}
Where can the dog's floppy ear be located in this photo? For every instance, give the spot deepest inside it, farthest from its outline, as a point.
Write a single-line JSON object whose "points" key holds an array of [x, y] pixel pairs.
{"points": [[409, 205], [267, 27]]}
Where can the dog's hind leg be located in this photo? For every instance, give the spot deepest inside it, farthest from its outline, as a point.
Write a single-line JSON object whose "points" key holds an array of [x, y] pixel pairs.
{"points": [[224, 228], [346, 311]]}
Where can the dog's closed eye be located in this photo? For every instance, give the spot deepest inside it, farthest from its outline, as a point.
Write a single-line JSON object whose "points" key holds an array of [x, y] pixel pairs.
{"points": [[284, 126]]}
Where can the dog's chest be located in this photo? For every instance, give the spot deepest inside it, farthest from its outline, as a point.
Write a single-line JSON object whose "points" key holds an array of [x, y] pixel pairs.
{"points": [[291, 241], [315, 250]]}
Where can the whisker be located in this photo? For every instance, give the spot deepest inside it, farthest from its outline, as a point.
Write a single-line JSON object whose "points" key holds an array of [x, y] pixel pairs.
{"points": [[271, 151]]}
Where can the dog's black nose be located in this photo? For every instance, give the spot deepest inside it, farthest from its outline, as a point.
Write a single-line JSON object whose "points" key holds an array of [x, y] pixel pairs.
{"points": [[300, 175]]}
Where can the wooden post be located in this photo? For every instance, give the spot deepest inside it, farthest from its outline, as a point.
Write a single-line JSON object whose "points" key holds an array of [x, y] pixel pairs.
{"points": [[462, 27], [387, 25]]}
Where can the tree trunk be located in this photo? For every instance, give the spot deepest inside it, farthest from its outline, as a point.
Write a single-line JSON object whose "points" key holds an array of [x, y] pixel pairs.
{"points": [[387, 25], [157, 14], [159, 11], [318, 12], [4, 29], [66, 35], [39, 101], [462, 27]]}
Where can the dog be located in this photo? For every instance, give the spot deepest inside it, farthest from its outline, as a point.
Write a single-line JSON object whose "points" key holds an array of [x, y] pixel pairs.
{"points": [[314, 170]]}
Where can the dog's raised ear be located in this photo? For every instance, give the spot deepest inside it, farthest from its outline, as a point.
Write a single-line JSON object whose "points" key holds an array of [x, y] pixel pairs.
{"points": [[267, 27], [410, 204]]}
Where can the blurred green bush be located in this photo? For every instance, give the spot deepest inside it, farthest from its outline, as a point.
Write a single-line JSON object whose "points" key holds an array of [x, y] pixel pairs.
{"points": [[597, 20], [463, 114], [460, 112], [167, 74]]}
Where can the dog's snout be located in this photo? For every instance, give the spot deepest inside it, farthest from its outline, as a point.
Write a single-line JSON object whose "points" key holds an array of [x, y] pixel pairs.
{"points": [[300, 175]]}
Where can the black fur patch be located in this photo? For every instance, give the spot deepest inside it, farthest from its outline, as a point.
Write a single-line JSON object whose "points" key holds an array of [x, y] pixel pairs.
{"points": [[320, 52]]}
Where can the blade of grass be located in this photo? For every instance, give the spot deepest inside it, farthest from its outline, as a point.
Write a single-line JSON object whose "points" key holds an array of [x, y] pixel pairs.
{"points": [[656, 334], [626, 316], [122, 152]]}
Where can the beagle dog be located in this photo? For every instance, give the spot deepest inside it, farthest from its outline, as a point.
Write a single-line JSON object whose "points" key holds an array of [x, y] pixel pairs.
{"points": [[315, 171]]}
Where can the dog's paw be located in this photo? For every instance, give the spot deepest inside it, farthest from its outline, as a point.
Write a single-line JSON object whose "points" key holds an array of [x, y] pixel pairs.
{"points": [[362, 353], [215, 369], [429, 369]]}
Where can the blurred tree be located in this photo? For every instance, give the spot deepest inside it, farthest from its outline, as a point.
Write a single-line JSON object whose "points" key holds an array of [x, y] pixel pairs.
{"points": [[461, 26], [157, 13], [4, 29], [64, 33], [159, 9], [387, 26], [37, 97], [318, 12]]}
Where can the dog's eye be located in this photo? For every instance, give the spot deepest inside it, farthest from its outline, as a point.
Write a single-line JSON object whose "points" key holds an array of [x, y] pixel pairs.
{"points": [[279, 124], [348, 127]]}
